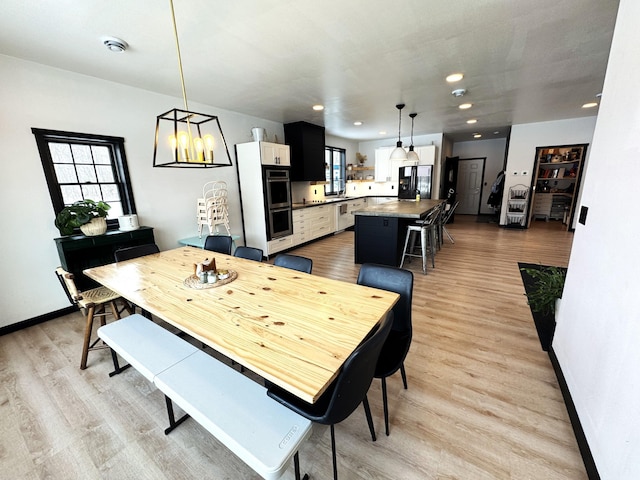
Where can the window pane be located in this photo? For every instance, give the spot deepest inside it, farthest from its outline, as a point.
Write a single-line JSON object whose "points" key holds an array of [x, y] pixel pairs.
{"points": [[91, 192], [105, 173], [110, 193], [65, 173], [86, 174], [60, 153], [81, 153], [70, 193], [101, 155]]}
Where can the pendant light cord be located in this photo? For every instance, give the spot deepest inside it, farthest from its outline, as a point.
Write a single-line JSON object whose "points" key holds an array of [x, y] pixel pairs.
{"points": [[175, 33]]}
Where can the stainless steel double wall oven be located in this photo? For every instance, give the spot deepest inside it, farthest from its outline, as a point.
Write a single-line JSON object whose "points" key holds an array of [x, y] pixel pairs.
{"points": [[277, 188]]}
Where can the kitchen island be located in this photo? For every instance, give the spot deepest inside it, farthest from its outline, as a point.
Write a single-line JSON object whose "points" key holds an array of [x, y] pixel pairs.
{"points": [[380, 230]]}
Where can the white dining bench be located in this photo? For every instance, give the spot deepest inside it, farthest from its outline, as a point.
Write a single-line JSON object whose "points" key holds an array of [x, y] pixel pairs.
{"points": [[145, 345], [232, 407]]}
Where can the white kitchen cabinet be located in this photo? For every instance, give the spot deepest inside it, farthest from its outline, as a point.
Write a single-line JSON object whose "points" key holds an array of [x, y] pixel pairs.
{"points": [[321, 220], [383, 164], [313, 222], [275, 154], [301, 228], [279, 244], [354, 205], [426, 154]]}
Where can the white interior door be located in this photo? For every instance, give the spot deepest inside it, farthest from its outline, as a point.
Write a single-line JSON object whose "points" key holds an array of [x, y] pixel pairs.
{"points": [[469, 186]]}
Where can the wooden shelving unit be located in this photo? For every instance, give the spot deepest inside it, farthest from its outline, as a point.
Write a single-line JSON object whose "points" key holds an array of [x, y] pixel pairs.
{"points": [[352, 177], [556, 181]]}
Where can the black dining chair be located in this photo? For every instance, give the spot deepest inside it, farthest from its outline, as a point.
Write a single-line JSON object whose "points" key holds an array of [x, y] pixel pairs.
{"points": [[294, 262], [397, 345], [348, 390], [127, 253], [219, 243], [249, 253]]}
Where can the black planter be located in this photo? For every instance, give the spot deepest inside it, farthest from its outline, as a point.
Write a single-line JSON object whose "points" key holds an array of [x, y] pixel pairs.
{"points": [[545, 323]]}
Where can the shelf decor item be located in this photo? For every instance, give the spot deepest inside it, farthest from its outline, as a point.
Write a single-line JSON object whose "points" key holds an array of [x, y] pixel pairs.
{"points": [[185, 138], [361, 158], [87, 215]]}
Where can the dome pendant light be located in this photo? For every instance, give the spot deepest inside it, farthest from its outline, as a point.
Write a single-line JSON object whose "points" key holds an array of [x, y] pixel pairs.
{"points": [[399, 153], [411, 155]]}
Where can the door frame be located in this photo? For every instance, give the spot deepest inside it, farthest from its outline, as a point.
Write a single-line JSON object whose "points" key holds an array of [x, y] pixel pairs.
{"points": [[484, 166]]}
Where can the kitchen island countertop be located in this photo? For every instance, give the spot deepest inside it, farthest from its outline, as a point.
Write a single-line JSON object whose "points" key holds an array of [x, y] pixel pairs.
{"points": [[400, 209]]}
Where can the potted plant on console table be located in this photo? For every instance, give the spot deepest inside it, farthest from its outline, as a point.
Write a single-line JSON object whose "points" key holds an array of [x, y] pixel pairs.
{"points": [[88, 215]]}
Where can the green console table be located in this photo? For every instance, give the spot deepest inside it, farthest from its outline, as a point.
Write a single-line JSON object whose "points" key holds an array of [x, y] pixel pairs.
{"points": [[78, 252]]}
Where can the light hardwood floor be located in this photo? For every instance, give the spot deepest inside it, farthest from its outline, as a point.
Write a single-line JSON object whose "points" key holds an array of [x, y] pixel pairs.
{"points": [[483, 401]]}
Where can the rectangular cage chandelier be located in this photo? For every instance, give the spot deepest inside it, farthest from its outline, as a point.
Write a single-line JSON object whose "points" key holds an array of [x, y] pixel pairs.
{"points": [[185, 138], [189, 139]]}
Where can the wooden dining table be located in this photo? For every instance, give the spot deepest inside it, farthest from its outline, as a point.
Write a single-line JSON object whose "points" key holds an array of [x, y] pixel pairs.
{"points": [[291, 328]]}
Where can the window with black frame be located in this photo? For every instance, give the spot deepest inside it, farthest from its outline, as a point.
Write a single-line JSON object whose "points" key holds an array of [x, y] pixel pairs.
{"points": [[335, 166], [80, 166]]}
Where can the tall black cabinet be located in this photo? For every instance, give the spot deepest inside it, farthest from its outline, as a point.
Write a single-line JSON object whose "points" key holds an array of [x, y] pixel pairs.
{"points": [[306, 142]]}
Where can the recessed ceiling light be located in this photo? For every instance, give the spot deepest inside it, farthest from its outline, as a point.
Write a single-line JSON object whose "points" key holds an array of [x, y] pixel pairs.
{"points": [[358, 123], [382, 132], [477, 135], [115, 44], [497, 132], [465, 106], [455, 77], [590, 105], [318, 108], [472, 120]]}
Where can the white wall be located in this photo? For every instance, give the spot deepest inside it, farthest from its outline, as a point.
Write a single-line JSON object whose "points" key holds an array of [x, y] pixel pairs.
{"points": [[34, 95], [597, 340], [494, 151], [526, 137]]}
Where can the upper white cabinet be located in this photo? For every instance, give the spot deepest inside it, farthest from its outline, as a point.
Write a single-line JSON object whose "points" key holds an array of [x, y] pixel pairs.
{"points": [[387, 169], [383, 164], [426, 154], [274, 154]]}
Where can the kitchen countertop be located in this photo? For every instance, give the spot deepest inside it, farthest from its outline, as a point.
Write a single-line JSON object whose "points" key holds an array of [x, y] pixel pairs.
{"points": [[316, 203], [400, 209]]}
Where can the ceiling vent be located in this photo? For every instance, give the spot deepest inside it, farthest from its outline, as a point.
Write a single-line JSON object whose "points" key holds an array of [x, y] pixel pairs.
{"points": [[115, 44], [459, 92]]}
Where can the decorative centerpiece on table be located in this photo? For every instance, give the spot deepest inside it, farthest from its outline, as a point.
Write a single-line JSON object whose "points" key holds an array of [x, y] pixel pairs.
{"points": [[87, 215], [207, 275], [361, 158]]}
